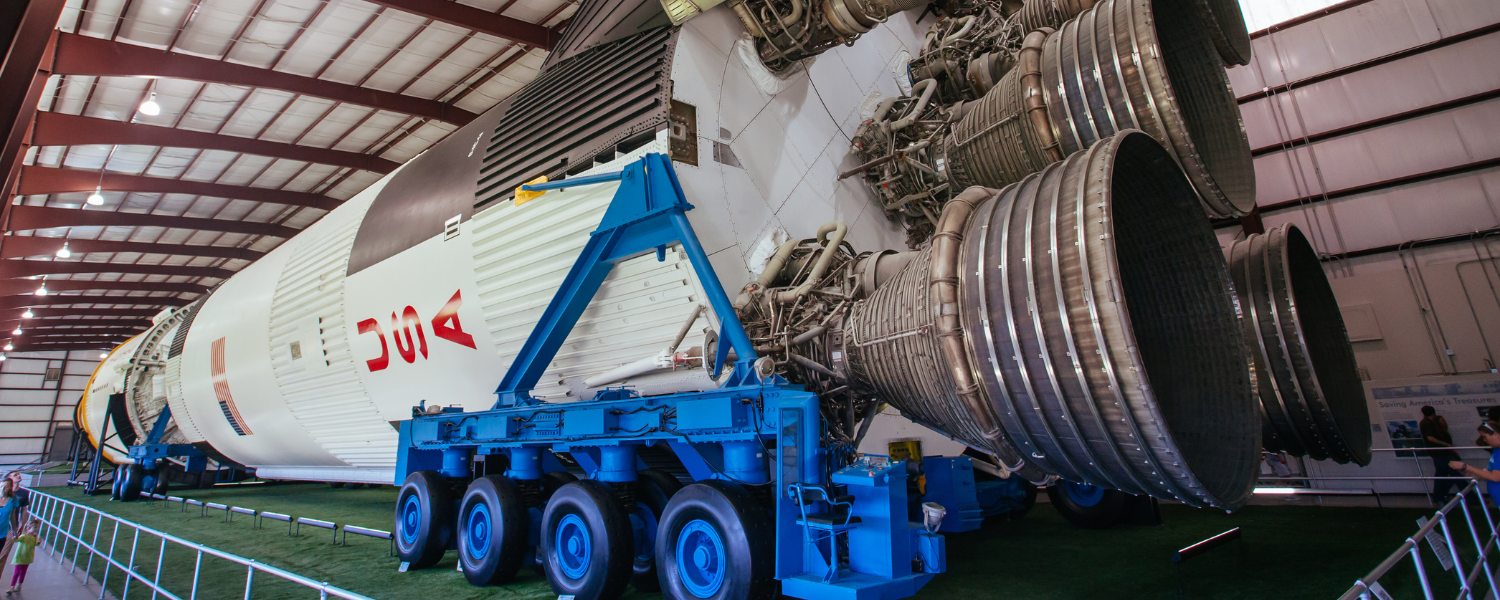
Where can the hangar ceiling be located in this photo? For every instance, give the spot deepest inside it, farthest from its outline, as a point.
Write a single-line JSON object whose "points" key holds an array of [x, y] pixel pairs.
{"points": [[268, 113]]}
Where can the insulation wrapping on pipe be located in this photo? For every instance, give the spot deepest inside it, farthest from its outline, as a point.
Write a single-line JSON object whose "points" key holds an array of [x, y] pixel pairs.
{"points": [[1222, 20], [1105, 71], [1312, 400], [1100, 328]]}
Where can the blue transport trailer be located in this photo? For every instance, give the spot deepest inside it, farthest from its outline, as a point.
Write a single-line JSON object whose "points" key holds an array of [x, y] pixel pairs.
{"points": [[768, 507]]}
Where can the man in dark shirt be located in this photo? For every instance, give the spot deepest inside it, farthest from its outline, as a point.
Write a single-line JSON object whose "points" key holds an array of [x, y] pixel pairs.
{"points": [[1435, 435]]}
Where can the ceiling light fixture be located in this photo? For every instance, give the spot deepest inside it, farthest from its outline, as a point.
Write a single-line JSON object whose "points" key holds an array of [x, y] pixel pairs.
{"points": [[17, 331], [42, 291], [27, 314], [64, 253], [2, 357], [103, 355], [150, 108], [97, 198]]}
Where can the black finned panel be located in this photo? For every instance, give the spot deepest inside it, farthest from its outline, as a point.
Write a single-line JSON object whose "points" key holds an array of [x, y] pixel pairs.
{"points": [[600, 22], [180, 338], [422, 197], [578, 108]]}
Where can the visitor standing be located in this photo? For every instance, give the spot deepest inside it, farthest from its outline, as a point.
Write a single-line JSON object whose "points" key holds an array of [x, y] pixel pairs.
{"points": [[25, 553], [8, 504], [1435, 435], [1491, 476]]}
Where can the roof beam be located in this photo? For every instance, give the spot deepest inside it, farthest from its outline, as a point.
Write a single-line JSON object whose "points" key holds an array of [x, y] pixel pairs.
{"points": [[11, 269], [49, 180], [17, 246], [26, 324], [11, 287], [479, 20], [47, 313], [58, 129], [34, 335], [23, 77], [28, 300], [83, 55], [24, 218], [109, 327], [29, 347]]}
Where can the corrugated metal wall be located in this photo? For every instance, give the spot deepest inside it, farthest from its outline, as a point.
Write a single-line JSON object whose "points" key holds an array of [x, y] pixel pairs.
{"points": [[35, 410]]}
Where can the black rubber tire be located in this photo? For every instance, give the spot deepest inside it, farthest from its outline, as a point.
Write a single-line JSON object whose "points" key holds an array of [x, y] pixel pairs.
{"points": [[354, 486], [160, 480], [1030, 501], [130, 488], [554, 480], [743, 527], [550, 483], [507, 528], [423, 535], [116, 482], [610, 543], [1107, 513], [336, 484], [653, 491]]}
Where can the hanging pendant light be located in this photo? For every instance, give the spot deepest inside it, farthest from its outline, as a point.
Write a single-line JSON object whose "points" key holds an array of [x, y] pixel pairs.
{"points": [[27, 314], [97, 198], [64, 252]]}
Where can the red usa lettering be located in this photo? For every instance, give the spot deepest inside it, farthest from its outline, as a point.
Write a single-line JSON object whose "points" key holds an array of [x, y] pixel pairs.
{"points": [[410, 337]]}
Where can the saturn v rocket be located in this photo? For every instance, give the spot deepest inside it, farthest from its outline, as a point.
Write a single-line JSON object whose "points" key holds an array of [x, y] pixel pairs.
{"points": [[422, 288]]}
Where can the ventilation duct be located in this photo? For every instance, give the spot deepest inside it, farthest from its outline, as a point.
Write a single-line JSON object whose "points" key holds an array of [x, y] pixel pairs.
{"points": [[1155, 72], [1079, 323], [1312, 401]]}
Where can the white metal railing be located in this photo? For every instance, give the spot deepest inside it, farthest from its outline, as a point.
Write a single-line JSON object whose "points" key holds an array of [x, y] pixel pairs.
{"points": [[1367, 587], [59, 517]]}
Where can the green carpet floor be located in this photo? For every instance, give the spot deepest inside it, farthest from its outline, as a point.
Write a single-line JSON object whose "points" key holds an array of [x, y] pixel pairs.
{"points": [[1288, 552]]}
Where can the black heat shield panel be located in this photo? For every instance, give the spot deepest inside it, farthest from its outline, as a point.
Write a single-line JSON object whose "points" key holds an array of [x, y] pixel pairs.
{"points": [[600, 22], [180, 338], [424, 194], [578, 108]]}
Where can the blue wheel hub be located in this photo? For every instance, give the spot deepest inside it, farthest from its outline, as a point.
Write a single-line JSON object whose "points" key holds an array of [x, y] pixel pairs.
{"points": [[479, 526], [701, 559], [573, 546], [643, 522], [1083, 494], [411, 519]]}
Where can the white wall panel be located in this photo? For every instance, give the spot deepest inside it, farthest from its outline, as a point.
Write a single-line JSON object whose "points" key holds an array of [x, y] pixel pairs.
{"points": [[1440, 207], [20, 380], [1446, 139], [1356, 35], [1412, 83]]}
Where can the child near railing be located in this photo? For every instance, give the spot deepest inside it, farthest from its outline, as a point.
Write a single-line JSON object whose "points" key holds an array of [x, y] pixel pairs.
{"points": [[24, 555]]}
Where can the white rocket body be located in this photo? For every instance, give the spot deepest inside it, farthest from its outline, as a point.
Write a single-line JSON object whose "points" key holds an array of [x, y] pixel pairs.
{"points": [[299, 371]]}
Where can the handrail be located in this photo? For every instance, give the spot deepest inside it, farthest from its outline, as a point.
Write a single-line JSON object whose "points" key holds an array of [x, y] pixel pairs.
{"points": [[1412, 547], [51, 515]]}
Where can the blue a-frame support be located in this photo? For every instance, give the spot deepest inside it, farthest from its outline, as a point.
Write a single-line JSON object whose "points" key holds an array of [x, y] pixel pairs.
{"points": [[632, 225]]}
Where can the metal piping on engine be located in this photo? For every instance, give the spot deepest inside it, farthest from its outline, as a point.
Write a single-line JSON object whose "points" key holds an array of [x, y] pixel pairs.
{"points": [[820, 268], [947, 243], [1030, 63], [1036, 14]]}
